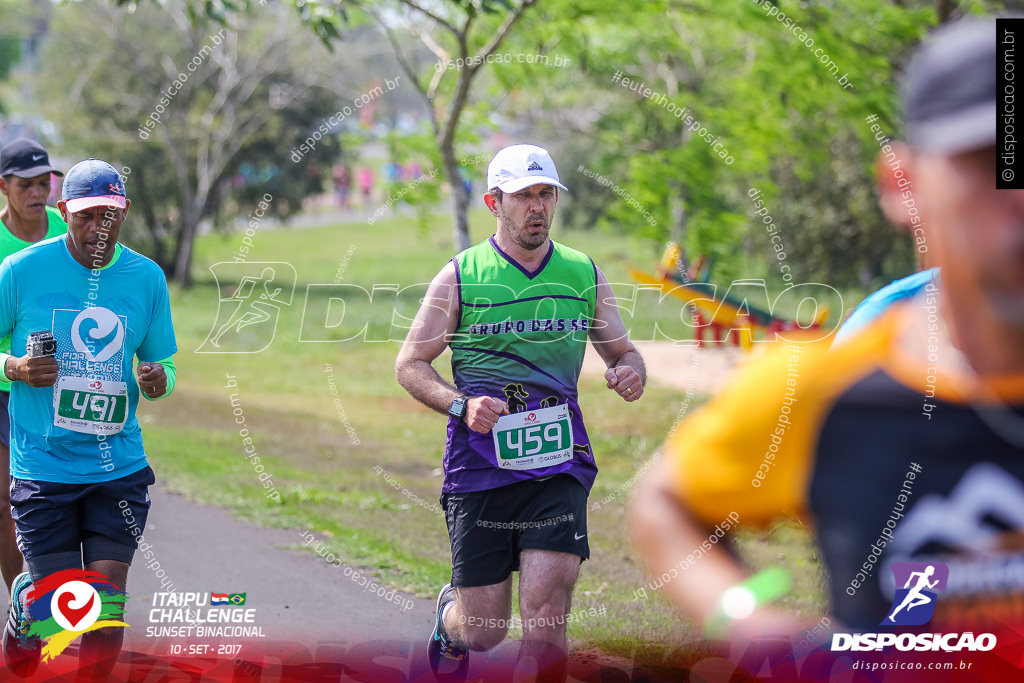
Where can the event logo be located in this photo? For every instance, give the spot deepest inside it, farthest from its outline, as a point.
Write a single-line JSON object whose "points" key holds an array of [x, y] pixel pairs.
{"points": [[64, 605], [914, 603], [105, 337], [247, 317]]}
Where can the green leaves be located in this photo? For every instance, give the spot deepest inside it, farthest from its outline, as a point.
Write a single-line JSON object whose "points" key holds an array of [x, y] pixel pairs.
{"points": [[325, 19], [783, 86]]}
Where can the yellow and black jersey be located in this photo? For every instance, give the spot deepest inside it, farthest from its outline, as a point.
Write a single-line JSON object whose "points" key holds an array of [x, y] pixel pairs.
{"points": [[886, 456]]}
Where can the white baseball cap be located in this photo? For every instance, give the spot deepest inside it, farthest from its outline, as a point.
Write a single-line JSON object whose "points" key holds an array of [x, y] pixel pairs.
{"points": [[520, 166]]}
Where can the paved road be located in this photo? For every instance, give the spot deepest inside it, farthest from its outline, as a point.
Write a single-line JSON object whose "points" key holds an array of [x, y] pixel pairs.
{"points": [[202, 549], [301, 603], [311, 620]]}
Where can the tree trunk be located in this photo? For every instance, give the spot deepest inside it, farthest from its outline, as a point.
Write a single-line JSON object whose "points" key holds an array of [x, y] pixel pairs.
{"points": [[460, 199], [183, 259], [677, 227], [152, 225]]}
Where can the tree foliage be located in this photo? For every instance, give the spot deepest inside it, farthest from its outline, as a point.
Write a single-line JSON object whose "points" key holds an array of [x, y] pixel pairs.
{"points": [[783, 87], [183, 106]]}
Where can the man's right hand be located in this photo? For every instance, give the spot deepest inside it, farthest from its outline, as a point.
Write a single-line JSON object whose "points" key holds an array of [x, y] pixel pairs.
{"points": [[40, 371], [482, 413]]}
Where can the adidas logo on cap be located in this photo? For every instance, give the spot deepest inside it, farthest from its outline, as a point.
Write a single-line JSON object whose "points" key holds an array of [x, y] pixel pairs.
{"points": [[534, 166]]}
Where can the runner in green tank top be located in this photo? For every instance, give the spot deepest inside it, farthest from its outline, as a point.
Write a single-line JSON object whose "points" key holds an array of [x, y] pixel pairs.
{"points": [[521, 337], [25, 183], [517, 311]]}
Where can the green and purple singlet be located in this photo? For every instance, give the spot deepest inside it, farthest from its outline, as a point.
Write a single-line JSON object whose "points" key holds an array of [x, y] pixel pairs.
{"points": [[520, 338]]}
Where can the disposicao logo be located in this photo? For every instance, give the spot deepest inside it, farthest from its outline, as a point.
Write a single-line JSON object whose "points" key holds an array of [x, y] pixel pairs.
{"points": [[65, 605], [914, 603], [917, 585]]}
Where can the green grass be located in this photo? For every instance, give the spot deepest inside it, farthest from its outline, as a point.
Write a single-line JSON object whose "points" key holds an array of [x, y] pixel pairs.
{"points": [[326, 471]]}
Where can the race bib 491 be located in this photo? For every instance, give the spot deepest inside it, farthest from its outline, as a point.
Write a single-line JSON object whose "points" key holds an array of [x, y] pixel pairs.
{"points": [[90, 406]]}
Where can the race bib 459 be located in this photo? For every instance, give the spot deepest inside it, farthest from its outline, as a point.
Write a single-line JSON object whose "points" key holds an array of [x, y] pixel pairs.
{"points": [[533, 439]]}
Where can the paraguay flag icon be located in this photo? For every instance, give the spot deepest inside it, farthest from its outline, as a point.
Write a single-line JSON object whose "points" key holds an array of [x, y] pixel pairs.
{"points": [[227, 599], [64, 605]]}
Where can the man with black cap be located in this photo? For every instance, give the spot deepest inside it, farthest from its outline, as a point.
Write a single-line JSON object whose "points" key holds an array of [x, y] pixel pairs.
{"points": [[903, 446], [516, 311], [79, 475], [25, 181]]}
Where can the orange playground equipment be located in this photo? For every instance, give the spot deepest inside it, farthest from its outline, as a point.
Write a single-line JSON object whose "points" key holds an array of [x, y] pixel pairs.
{"points": [[725, 317]]}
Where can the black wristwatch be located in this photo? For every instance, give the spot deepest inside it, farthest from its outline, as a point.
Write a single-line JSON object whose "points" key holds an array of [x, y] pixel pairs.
{"points": [[458, 407]]}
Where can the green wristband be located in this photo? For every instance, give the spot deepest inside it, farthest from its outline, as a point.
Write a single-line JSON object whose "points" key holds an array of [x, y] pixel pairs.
{"points": [[743, 599]]}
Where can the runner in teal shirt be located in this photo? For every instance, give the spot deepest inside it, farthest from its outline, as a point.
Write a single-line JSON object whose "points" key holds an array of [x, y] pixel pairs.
{"points": [[80, 480], [25, 182], [100, 323]]}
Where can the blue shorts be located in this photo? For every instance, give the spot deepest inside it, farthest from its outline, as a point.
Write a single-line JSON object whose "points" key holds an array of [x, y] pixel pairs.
{"points": [[68, 526]]}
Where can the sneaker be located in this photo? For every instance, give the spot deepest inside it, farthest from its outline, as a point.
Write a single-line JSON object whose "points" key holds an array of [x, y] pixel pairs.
{"points": [[21, 652], [447, 661]]}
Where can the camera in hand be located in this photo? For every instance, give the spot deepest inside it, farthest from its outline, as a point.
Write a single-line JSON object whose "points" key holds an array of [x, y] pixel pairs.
{"points": [[41, 344]]}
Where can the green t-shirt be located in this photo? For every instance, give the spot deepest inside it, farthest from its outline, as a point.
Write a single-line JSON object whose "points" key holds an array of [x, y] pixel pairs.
{"points": [[9, 244]]}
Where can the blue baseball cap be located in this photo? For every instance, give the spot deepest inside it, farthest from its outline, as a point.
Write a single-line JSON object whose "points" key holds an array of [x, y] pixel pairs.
{"points": [[92, 183]]}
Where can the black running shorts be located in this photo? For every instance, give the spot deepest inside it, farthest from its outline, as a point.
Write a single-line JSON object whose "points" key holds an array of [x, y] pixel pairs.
{"points": [[488, 529]]}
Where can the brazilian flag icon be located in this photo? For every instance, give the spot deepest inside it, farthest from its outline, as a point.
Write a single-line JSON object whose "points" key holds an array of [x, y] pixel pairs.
{"points": [[237, 598]]}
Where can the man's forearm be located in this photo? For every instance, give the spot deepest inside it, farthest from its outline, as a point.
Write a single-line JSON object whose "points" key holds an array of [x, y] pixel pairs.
{"points": [[665, 533], [423, 383]]}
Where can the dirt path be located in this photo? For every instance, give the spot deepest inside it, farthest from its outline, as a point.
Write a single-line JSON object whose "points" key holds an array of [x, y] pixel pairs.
{"points": [[683, 367]]}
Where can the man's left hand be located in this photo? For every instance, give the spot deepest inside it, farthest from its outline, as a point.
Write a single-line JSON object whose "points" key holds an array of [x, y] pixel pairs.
{"points": [[152, 379], [625, 381]]}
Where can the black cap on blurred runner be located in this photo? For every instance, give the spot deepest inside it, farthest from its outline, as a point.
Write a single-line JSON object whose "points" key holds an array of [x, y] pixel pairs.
{"points": [[25, 159], [949, 93]]}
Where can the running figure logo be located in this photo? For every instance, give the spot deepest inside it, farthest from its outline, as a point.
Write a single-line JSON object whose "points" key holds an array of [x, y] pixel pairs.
{"points": [[247, 317], [914, 603], [514, 395]]}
